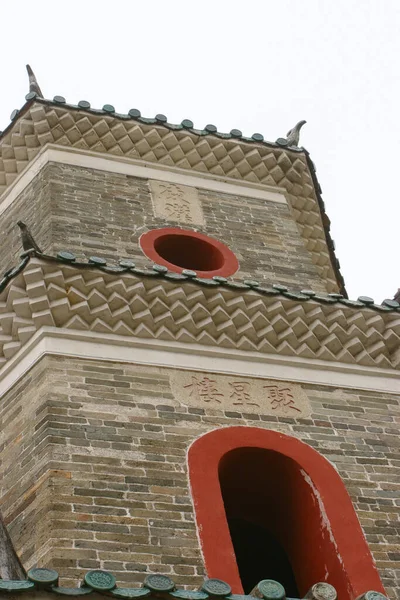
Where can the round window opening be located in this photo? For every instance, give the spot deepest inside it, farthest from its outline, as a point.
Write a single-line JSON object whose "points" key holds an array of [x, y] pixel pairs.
{"points": [[189, 252], [180, 249]]}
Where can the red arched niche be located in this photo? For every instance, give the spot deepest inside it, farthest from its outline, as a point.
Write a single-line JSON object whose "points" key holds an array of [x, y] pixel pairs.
{"points": [[292, 490]]}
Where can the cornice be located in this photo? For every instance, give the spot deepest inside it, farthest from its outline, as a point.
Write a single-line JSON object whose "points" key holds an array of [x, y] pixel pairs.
{"points": [[42, 122], [105, 347], [76, 157]]}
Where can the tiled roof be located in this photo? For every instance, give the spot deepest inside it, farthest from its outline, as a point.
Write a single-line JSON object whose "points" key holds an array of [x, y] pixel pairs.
{"points": [[160, 271], [154, 303], [158, 586], [160, 119]]}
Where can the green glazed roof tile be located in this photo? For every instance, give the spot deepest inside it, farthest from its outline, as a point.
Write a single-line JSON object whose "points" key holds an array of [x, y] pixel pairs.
{"points": [[100, 580], [145, 272], [326, 299], [175, 276], [80, 591], [206, 282], [130, 592], [235, 285], [159, 583], [189, 595], [268, 291], [43, 576], [96, 260], [295, 295], [365, 299], [16, 586], [189, 273], [271, 590], [216, 587], [126, 264], [391, 303], [66, 256], [160, 269], [281, 288]]}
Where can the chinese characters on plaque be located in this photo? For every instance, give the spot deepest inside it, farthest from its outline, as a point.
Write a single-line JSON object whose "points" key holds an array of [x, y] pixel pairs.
{"points": [[281, 396], [240, 393], [175, 202]]}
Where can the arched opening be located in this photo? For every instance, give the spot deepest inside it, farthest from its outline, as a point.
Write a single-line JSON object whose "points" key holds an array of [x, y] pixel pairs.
{"points": [[189, 252], [265, 505], [259, 556], [263, 490]]}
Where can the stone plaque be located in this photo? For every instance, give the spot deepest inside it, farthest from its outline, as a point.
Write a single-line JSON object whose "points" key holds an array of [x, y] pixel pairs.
{"points": [[241, 394], [175, 202]]}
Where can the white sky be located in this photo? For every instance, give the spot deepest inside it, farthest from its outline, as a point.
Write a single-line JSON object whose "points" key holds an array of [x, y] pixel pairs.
{"points": [[258, 66]]}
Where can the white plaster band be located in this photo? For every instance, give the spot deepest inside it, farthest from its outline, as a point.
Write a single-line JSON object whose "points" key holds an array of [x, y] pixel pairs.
{"points": [[135, 168], [110, 347]]}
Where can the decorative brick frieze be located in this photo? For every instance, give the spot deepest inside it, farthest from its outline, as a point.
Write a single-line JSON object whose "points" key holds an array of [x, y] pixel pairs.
{"points": [[64, 296]]}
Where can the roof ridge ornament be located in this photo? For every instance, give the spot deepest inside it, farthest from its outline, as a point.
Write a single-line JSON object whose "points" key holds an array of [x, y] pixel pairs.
{"points": [[28, 242], [33, 84], [292, 137]]}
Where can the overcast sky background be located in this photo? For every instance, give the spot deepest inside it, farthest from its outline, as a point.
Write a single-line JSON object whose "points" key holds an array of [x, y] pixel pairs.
{"points": [[258, 66]]}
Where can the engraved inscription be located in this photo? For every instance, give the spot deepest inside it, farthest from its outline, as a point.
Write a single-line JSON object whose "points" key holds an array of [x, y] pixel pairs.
{"points": [[240, 393], [204, 389], [177, 205], [281, 397], [176, 202]]}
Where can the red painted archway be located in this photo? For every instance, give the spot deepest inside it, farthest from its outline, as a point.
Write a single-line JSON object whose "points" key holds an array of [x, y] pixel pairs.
{"points": [[319, 527]]}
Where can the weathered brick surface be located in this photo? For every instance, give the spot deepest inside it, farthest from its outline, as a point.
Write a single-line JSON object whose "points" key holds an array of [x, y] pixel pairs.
{"points": [[33, 206], [94, 467], [96, 213]]}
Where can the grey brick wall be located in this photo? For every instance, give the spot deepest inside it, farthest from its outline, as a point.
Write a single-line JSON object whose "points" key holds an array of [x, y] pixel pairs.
{"points": [[96, 213], [94, 468], [33, 206]]}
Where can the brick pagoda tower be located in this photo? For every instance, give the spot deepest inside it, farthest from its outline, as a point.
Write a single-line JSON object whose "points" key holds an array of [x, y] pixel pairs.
{"points": [[189, 400]]}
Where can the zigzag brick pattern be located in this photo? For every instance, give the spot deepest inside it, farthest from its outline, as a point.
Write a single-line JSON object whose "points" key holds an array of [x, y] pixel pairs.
{"points": [[48, 294], [42, 124]]}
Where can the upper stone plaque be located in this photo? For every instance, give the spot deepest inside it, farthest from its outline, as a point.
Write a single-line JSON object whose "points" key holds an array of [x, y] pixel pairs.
{"points": [[175, 202]]}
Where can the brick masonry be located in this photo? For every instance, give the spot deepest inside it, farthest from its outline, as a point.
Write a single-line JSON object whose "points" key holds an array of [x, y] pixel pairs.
{"points": [[94, 467], [97, 213]]}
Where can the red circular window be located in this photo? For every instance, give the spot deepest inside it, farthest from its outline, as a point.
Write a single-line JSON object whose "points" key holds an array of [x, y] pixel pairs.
{"points": [[180, 249]]}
